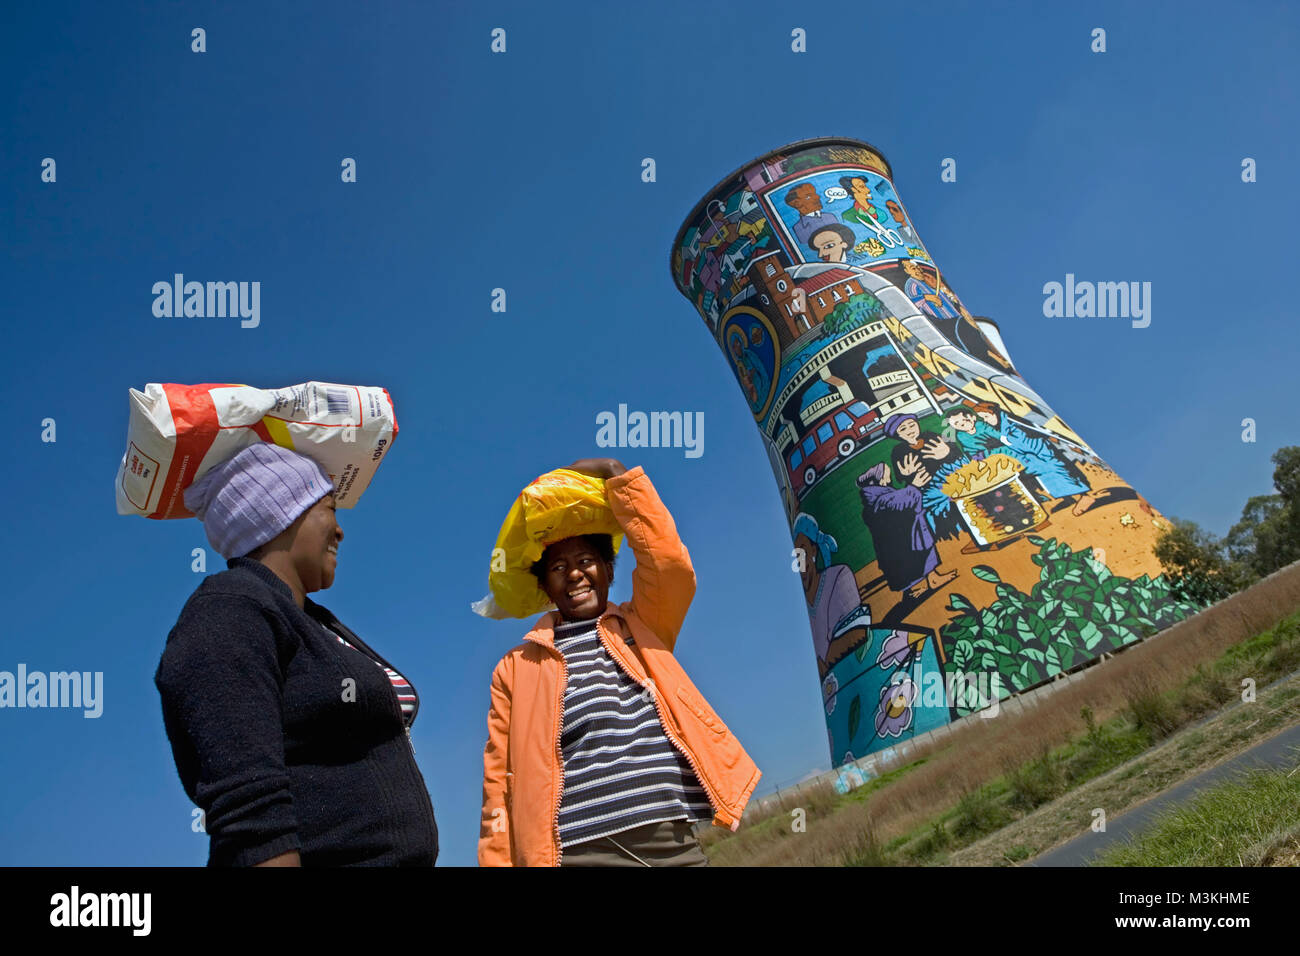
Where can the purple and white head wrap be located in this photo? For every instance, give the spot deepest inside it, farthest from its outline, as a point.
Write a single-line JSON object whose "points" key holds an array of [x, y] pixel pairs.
{"points": [[250, 499]]}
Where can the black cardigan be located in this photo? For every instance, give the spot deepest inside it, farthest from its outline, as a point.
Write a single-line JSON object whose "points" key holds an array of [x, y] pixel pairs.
{"points": [[275, 744]]}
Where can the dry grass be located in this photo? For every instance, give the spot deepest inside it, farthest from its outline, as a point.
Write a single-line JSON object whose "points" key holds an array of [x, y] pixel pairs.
{"points": [[951, 771], [1286, 853]]}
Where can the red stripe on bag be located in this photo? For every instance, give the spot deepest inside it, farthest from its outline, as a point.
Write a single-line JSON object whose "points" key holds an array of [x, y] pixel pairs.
{"points": [[195, 418]]}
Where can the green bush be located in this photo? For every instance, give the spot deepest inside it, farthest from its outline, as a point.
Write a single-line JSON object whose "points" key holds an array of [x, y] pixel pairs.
{"points": [[978, 813], [1102, 748], [1151, 710], [1284, 659], [1018, 852], [933, 842], [867, 851], [1037, 782]]}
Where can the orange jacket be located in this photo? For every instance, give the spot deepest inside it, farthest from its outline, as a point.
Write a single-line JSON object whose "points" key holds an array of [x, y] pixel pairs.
{"points": [[523, 770]]}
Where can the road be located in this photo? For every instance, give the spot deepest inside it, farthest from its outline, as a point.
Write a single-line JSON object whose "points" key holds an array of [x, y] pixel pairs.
{"points": [[1278, 751]]}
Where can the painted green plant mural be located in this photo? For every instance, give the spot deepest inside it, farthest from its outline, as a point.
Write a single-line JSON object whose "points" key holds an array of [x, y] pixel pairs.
{"points": [[857, 310], [1076, 611]]}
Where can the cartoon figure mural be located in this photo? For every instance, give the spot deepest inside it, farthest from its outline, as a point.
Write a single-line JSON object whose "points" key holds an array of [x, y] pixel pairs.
{"points": [[984, 428], [831, 242], [916, 450], [920, 288], [804, 200], [837, 615], [902, 225], [950, 529], [863, 211], [900, 534]]}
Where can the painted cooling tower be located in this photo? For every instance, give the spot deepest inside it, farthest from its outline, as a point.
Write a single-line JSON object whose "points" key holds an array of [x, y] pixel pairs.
{"points": [[956, 541]]}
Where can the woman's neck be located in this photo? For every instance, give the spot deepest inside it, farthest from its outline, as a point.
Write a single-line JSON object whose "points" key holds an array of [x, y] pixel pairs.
{"points": [[282, 567]]}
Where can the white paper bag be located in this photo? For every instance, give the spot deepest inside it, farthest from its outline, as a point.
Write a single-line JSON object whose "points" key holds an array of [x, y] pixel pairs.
{"points": [[178, 432]]}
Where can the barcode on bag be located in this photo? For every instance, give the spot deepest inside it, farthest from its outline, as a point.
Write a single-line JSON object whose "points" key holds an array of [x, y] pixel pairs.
{"points": [[338, 401]]}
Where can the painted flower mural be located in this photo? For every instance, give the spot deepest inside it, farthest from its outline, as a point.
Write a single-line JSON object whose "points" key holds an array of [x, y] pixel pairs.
{"points": [[829, 687], [894, 710]]}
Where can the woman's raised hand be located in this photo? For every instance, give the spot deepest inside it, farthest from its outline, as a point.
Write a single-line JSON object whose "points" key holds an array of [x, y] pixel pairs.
{"points": [[598, 467]]}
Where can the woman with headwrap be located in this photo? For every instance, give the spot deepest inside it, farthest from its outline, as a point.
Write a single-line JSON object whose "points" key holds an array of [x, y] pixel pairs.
{"points": [[600, 750], [287, 729], [895, 517], [916, 449]]}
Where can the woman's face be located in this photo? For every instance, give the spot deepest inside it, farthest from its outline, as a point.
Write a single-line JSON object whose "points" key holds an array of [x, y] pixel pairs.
{"points": [[576, 579], [910, 431], [315, 546]]}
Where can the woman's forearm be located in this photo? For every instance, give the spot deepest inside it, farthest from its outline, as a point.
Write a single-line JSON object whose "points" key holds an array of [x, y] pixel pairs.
{"points": [[663, 582]]}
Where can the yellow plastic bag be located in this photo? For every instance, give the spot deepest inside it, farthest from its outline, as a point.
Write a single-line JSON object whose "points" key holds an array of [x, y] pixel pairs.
{"points": [[560, 504]]}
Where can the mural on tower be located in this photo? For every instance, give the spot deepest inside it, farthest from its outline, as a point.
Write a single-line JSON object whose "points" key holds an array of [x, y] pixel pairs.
{"points": [[956, 542]]}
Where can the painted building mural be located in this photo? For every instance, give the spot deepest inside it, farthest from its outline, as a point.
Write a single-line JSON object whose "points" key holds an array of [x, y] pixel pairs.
{"points": [[956, 541]]}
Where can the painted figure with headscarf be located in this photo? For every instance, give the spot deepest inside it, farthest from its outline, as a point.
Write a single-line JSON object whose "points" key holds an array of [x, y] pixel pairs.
{"points": [[917, 449], [838, 617], [900, 533]]}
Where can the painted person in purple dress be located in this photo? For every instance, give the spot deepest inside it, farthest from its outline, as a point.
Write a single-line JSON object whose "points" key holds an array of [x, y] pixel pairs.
{"points": [[900, 533]]}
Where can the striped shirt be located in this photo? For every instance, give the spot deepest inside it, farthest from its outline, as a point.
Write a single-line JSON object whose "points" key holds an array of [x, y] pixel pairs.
{"points": [[401, 686], [620, 768]]}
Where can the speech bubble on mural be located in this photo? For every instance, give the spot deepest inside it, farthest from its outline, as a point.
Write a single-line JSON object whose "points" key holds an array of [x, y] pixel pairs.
{"points": [[836, 192]]}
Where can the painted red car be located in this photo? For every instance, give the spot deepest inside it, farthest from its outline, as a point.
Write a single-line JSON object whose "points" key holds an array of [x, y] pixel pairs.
{"points": [[832, 438]]}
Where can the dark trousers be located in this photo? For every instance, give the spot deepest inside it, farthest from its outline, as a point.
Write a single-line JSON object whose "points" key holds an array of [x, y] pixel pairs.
{"points": [[656, 844]]}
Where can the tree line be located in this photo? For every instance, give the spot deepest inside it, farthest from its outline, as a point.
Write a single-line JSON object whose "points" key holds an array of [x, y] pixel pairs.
{"points": [[1205, 568]]}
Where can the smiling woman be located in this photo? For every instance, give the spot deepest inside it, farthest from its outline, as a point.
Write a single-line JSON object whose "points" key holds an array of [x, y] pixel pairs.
{"points": [[576, 574], [288, 731], [600, 750]]}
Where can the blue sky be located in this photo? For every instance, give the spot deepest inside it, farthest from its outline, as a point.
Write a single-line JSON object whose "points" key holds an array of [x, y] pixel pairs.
{"points": [[522, 171]]}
